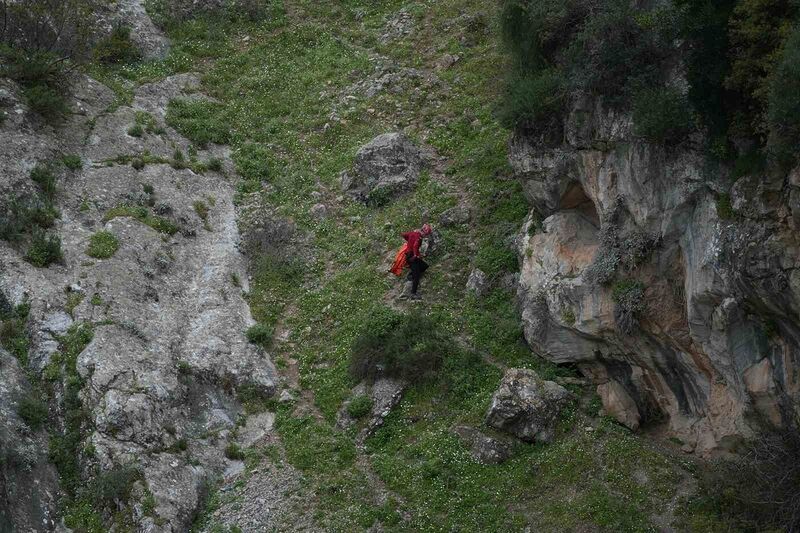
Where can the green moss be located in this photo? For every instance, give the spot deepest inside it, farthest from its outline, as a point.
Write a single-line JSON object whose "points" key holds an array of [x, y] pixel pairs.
{"points": [[72, 161], [102, 245]]}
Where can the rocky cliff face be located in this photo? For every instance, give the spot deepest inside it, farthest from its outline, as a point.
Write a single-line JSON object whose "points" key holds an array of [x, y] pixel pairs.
{"points": [[635, 269], [166, 314]]}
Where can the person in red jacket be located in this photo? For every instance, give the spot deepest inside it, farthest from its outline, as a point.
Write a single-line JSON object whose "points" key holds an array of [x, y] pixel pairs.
{"points": [[414, 258]]}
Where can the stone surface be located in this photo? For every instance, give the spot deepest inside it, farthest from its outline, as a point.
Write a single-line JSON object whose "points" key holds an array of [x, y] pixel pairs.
{"points": [[526, 406], [709, 335], [455, 216], [477, 283], [484, 449], [169, 350], [384, 168]]}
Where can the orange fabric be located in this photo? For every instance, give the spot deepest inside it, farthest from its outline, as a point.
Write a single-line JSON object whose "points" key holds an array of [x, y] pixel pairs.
{"points": [[400, 261]]}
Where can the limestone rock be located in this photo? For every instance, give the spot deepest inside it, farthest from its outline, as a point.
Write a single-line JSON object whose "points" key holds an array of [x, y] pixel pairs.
{"points": [[477, 283], [384, 168], [484, 449], [526, 406], [454, 216], [716, 300], [618, 404]]}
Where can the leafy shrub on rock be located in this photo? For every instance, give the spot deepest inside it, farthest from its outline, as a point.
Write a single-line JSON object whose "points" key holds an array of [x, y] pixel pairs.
{"points": [[629, 299], [662, 115], [32, 410], [117, 48], [783, 112], [44, 250], [407, 346], [359, 407], [260, 334], [534, 101]]}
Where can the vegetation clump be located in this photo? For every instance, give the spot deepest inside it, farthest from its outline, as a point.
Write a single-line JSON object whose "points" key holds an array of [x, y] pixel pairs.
{"points": [[390, 345], [629, 299], [260, 334], [32, 410], [360, 406], [143, 215], [44, 250], [102, 245], [117, 48]]}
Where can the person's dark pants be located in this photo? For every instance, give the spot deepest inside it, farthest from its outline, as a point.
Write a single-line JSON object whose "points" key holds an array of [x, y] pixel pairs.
{"points": [[418, 267]]}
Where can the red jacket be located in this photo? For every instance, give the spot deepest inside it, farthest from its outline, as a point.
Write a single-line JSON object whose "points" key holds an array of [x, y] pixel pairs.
{"points": [[414, 239]]}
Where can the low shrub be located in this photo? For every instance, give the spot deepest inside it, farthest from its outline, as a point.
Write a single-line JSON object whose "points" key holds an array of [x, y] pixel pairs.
{"points": [[725, 209], [112, 487], [360, 406], [662, 115], [758, 490], [44, 250], [32, 410], [629, 299], [46, 101], [72, 162], [407, 346], [234, 452], [102, 245], [21, 216], [44, 177], [260, 334], [534, 101], [136, 130], [117, 48]]}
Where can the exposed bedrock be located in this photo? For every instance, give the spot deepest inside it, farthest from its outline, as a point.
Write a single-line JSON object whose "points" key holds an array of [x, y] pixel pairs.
{"points": [[634, 270]]}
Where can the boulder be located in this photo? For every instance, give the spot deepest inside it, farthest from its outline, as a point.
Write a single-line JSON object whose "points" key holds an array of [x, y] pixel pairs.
{"points": [[526, 406], [386, 167], [484, 449], [455, 216], [619, 404], [477, 283]]}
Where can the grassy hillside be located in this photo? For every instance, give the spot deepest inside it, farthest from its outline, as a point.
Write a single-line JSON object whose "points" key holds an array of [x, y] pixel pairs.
{"points": [[293, 105]]}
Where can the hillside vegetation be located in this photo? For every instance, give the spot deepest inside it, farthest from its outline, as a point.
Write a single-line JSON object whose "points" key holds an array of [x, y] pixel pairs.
{"points": [[297, 87]]}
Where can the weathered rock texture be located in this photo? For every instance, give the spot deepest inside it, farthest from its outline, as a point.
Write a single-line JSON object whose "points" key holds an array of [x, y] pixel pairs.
{"points": [[526, 406], [169, 351], [676, 313], [386, 167]]}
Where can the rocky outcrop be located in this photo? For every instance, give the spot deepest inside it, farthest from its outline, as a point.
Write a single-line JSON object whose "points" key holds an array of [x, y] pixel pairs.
{"points": [[483, 448], [168, 352], [526, 406], [386, 167], [635, 269]]}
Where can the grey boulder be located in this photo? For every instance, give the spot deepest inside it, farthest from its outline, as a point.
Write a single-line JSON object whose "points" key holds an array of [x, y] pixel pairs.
{"points": [[385, 168], [526, 406]]}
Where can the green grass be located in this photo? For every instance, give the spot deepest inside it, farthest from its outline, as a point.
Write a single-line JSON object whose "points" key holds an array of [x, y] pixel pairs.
{"points": [[102, 245], [143, 215], [274, 96]]}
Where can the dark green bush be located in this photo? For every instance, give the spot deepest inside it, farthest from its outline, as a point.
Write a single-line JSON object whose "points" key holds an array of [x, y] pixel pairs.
{"points": [[21, 216], [136, 130], [114, 486], [783, 111], [234, 452], [260, 334], [117, 48], [408, 346], [44, 250], [32, 410], [46, 101], [662, 115], [534, 100], [360, 406], [72, 162], [619, 49], [44, 177]]}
